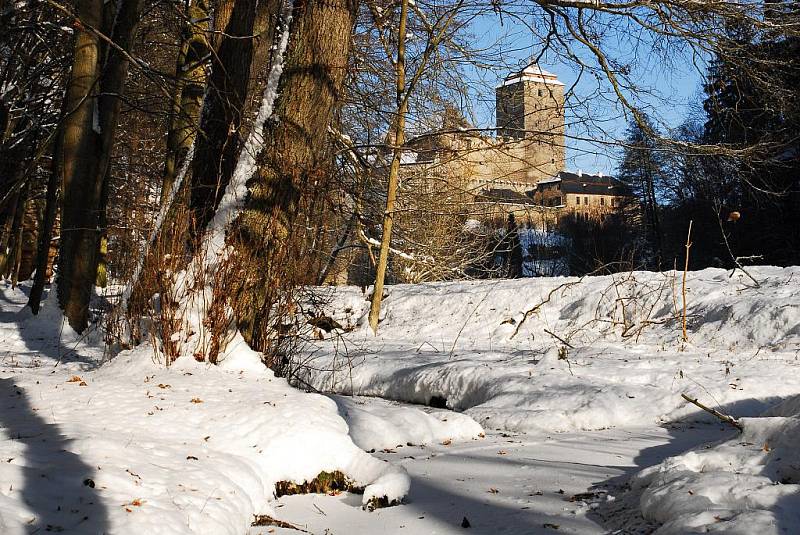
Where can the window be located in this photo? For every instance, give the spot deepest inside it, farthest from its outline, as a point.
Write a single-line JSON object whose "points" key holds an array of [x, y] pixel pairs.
{"points": [[612, 202], [602, 201], [577, 201], [541, 93], [586, 201]]}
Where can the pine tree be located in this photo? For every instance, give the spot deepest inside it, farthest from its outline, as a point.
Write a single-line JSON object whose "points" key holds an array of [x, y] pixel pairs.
{"points": [[644, 170]]}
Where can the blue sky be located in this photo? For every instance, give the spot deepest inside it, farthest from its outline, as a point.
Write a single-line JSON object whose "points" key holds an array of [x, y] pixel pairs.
{"points": [[675, 86]]}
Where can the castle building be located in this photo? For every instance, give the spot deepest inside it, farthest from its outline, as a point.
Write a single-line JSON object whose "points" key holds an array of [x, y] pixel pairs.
{"points": [[524, 165]]}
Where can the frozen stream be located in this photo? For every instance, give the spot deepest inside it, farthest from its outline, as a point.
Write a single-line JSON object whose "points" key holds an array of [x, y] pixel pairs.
{"points": [[507, 483]]}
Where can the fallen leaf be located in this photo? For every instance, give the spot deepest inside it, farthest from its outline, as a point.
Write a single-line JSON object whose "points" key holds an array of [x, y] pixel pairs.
{"points": [[82, 383], [493, 490], [162, 385], [502, 452], [446, 442], [197, 400], [551, 526], [74, 379]]}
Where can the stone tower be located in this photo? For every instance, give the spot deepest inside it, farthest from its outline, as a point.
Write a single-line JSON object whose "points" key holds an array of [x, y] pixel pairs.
{"points": [[530, 114]]}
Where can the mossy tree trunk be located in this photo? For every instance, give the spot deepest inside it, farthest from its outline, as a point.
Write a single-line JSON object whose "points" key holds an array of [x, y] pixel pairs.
{"points": [[224, 107], [191, 75]]}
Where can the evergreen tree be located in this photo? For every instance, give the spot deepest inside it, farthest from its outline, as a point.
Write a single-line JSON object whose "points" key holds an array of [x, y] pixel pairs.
{"points": [[755, 112], [644, 170]]}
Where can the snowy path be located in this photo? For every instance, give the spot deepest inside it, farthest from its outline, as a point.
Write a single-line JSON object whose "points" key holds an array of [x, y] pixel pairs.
{"points": [[534, 475]]}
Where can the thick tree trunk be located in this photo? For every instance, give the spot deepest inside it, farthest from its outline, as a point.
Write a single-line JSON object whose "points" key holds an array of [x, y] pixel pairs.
{"points": [[315, 66], [81, 196], [92, 112], [223, 108]]}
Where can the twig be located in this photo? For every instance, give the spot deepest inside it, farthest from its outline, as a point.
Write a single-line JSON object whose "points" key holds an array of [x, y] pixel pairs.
{"points": [[737, 263], [546, 300], [554, 335], [724, 417], [685, 269], [266, 520]]}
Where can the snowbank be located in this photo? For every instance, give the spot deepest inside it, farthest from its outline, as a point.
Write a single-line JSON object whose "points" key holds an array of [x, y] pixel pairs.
{"points": [[742, 486], [563, 354], [376, 424], [130, 446]]}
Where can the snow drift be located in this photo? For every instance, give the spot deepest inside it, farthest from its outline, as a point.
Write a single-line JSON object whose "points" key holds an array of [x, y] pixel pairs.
{"points": [[563, 354]]}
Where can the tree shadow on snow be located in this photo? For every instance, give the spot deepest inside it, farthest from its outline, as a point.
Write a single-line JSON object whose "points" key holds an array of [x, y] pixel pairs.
{"points": [[58, 487], [484, 514], [623, 516], [42, 335]]}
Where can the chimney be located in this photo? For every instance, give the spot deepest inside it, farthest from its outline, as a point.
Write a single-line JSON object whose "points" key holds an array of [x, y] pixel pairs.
{"points": [[580, 172]]}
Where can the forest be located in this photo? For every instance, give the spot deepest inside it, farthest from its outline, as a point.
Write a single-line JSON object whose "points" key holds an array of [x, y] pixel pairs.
{"points": [[236, 290]]}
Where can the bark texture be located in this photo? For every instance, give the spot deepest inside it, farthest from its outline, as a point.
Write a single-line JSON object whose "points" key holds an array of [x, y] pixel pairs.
{"points": [[191, 75], [92, 107], [223, 109], [314, 68], [81, 199]]}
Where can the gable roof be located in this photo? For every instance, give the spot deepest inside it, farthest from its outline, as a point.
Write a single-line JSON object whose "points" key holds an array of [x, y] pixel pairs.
{"points": [[502, 195], [592, 184]]}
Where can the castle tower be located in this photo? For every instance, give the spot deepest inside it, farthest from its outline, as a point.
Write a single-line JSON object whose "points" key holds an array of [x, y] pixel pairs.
{"points": [[530, 110]]}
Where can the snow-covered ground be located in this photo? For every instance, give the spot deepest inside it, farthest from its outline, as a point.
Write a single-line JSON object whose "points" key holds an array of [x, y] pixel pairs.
{"points": [[557, 409], [132, 447], [592, 353], [568, 355]]}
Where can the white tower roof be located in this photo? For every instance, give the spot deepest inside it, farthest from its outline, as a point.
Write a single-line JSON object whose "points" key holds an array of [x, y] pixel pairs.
{"points": [[532, 73]]}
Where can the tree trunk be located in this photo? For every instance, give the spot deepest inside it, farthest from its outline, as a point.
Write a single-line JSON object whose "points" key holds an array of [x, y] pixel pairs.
{"points": [[46, 229], [81, 196], [19, 226], [92, 112], [190, 73], [223, 108], [6, 233], [394, 170], [315, 66], [112, 83]]}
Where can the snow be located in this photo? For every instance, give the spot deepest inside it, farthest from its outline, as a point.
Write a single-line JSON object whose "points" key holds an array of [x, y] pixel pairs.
{"points": [[563, 409], [376, 424], [749, 484], [505, 483], [130, 446], [603, 353], [599, 352]]}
